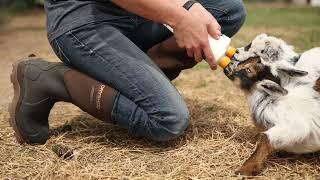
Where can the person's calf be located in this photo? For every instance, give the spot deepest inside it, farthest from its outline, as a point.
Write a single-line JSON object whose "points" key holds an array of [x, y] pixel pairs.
{"points": [[90, 95], [170, 58]]}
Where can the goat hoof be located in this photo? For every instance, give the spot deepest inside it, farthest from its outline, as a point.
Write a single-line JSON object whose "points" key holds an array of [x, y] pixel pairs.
{"points": [[249, 170]]}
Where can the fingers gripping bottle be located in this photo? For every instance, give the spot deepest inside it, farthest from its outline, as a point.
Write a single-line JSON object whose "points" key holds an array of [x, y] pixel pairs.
{"points": [[222, 51]]}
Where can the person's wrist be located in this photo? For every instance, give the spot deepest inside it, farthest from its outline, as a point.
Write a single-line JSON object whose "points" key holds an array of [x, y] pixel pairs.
{"points": [[177, 17], [179, 13]]}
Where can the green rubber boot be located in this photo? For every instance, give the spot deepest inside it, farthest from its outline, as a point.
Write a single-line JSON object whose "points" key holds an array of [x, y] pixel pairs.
{"points": [[38, 84]]}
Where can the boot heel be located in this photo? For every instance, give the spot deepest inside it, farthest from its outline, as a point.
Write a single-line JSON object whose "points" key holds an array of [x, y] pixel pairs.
{"points": [[16, 101]]}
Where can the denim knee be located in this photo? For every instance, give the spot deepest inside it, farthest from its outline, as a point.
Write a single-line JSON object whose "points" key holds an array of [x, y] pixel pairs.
{"points": [[171, 124], [238, 12], [166, 120], [237, 15]]}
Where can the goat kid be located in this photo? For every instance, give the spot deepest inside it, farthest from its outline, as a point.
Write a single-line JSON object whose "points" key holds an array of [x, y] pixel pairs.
{"points": [[284, 97]]}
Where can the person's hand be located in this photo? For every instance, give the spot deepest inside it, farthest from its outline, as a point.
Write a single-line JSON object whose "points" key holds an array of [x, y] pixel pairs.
{"points": [[192, 33]]}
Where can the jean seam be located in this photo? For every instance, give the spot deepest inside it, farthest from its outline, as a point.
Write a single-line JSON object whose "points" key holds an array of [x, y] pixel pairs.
{"points": [[80, 42], [58, 48], [61, 53], [92, 51]]}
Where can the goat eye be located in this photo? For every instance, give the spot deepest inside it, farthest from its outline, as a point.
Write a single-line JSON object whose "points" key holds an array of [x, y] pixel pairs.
{"points": [[248, 70]]}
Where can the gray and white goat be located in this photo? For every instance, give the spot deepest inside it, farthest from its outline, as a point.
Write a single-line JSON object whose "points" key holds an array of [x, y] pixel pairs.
{"points": [[283, 89]]}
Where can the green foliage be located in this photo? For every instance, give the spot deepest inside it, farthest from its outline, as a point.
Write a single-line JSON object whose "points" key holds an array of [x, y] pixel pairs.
{"points": [[40, 2], [20, 4], [289, 17], [297, 25]]}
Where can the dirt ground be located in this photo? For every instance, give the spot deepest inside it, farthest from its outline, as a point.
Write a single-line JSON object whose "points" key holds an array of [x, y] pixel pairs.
{"points": [[217, 142]]}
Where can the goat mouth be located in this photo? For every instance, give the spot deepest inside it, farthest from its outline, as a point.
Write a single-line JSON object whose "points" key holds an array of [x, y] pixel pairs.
{"points": [[229, 70]]}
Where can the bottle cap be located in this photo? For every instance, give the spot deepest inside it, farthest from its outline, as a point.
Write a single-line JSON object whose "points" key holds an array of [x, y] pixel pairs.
{"points": [[224, 62], [231, 51]]}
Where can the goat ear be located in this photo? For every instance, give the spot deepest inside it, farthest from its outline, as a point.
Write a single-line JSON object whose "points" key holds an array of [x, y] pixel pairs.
{"points": [[272, 88], [292, 72]]}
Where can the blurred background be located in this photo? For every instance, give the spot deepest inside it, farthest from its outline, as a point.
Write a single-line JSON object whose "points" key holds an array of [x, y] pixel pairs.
{"points": [[297, 21]]}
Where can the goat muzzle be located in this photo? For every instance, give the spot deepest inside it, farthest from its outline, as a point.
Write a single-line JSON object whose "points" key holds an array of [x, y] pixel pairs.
{"points": [[229, 70]]}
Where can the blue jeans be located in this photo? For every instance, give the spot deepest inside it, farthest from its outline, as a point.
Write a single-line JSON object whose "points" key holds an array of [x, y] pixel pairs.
{"points": [[114, 52]]}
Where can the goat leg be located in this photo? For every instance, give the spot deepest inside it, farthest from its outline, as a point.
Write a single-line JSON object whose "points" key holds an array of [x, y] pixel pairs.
{"points": [[254, 164]]}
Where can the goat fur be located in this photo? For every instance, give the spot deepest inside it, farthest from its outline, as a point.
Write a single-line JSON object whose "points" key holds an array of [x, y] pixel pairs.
{"points": [[292, 119]]}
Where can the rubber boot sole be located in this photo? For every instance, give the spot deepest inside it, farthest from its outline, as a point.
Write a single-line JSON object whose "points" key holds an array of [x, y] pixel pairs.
{"points": [[17, 80]]}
